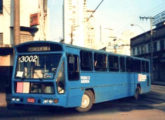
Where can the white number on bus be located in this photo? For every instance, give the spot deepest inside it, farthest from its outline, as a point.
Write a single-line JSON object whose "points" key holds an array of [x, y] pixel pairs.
{"points": [[28, 58]]}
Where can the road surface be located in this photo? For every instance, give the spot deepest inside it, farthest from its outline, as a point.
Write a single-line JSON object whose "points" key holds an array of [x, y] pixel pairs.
{"points": [[151, 106]]}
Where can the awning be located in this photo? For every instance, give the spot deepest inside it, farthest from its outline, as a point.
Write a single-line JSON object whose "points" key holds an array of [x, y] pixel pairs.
{"points": [[6, 50], [32, 30]]}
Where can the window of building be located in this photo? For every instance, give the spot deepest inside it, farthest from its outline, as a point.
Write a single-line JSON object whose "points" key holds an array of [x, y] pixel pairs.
{"points": [[1, 6], [122, 64], [158, 45], [113, 63], [136, 53], [139, 50], [162, 42], [73, 67], [100, 62], [86, 61], [1, 38], [144, 48], [147, 48], [133, 51], [141, 47], [155, 46]]}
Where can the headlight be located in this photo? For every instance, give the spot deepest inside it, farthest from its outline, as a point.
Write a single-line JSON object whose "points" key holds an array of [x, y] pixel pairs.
{"points": [[13, 99], [17, 99], [45, 101], [50, 101]]}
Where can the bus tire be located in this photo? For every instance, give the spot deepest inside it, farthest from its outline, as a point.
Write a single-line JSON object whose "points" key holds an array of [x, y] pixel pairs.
{"points": [[87, 101], [137, 93]]}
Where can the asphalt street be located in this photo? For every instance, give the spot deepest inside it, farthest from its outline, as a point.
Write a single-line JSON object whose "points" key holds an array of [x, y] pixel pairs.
{"points": [[150, 106]]}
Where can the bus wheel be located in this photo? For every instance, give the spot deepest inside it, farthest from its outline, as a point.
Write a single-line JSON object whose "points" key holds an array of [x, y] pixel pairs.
{"points": [[137, 93], [87, 102]]}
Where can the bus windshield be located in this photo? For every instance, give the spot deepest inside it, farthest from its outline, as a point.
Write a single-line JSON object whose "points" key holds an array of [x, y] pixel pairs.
{"points": [[37, 66]]}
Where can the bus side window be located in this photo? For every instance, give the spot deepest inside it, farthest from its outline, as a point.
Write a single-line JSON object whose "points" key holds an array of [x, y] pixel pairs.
{"points": [[86, 60], [129, 67], [143, 66], [100, 62], [137, 66], [113, 63], [122, 64], [73, 67], [147, 66], [134, 67]]}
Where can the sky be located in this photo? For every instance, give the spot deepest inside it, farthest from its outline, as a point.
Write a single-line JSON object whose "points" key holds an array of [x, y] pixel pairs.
{"points": [[115, 14]]}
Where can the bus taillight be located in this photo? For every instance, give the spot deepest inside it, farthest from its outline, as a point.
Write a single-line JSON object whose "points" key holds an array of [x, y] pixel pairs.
{"points": [[55, 100]]}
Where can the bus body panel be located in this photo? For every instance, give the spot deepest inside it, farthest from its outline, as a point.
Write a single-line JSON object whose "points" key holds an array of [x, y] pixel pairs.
{"points": [[71, 50], [109, 86], [74, 96], [145, 84], [106, 85]]}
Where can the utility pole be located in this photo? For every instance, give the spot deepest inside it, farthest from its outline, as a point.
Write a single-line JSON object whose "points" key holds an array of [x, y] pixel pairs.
{"points": [[44, 17], [16, 22], [100, 34], [151, 43], [71, 34]]}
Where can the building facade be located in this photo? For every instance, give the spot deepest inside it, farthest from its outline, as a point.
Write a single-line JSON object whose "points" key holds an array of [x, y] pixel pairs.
{"points": [[152, 46], [90, 30], [79, 24], [33, 20], [74, 21], [116, 44], [80, 29], [124, 42]]}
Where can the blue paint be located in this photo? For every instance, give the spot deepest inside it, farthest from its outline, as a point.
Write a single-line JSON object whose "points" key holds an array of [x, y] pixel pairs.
{"points": [[106, 85]]}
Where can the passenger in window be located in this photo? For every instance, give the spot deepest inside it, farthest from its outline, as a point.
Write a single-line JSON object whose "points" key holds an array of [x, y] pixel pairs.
{"points": [[95, 63], [60, 82]]}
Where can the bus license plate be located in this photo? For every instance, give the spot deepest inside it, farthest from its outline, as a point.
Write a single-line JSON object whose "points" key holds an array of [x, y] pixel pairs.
{"points": [[31, 100]]}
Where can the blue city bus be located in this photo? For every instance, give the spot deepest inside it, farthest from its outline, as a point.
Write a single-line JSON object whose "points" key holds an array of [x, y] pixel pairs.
{"points": [[56, 74]]}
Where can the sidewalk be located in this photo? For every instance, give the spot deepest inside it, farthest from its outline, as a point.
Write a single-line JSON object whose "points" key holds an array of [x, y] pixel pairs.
{"points": [[3, 102]]}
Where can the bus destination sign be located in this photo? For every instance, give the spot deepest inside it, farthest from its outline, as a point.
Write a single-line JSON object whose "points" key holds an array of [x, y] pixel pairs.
{"points": [[39, 48]]}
